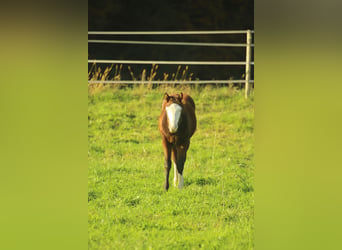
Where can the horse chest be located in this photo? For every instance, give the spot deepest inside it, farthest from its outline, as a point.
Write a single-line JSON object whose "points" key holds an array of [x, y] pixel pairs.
{"points": [[173, 139], [176, 140]]}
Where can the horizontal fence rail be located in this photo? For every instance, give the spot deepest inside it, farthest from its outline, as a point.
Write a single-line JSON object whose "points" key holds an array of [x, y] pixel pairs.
{"points": [[208, 32], [171, 43], [169, 81], [168, 62], [248, 63]]}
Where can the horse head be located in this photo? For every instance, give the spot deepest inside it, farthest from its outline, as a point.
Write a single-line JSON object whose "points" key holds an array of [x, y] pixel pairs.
{"points": [[173, 107]]}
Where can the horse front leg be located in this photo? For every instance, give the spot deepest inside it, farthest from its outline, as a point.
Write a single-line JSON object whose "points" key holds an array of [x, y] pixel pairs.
{"points": [[167, 167], [181, 157], [175, 175], [180, 167], [167, 163], [174, 160]]}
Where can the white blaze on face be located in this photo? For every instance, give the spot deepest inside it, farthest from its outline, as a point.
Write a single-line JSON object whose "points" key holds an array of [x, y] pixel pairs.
{"points": [[173, 114]]}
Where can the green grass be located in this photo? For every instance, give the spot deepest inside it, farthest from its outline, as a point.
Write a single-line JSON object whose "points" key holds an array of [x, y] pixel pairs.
{"points": [[127, 207]]}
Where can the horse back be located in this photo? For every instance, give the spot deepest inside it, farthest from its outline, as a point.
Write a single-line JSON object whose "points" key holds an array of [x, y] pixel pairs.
{"points": [[188, 101], [189, 106]]}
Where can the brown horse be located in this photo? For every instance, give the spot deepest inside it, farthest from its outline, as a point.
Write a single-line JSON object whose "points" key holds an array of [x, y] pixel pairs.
{"points": [[177, 123]]}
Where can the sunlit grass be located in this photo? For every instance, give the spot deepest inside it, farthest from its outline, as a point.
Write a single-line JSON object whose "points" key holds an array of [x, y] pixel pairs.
{"points": [[126, 202]]}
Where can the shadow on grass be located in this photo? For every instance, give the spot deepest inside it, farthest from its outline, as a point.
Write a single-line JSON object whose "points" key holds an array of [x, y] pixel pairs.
{"points": [[200, 181]]}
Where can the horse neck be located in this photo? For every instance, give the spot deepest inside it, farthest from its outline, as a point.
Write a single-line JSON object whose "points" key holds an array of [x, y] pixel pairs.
{"points": [[183, 125]]}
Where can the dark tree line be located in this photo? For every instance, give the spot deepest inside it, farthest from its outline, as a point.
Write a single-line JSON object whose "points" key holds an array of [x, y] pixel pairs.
{"points": [[135, 15]]}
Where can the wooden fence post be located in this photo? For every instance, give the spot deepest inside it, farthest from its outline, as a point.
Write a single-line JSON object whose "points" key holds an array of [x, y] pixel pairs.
{"points": [[248, 63]]}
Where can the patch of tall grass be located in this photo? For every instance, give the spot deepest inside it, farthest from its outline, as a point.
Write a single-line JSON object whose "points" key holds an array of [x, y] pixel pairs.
{"points": [[115, 73], [142, 77]]}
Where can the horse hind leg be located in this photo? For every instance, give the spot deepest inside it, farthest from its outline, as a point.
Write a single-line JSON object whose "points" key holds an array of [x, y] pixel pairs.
{"points": [[181, 181], [175, 176]]}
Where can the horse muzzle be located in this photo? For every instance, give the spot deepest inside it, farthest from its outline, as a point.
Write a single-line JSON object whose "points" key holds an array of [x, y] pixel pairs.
{"points": [[173, 130]]}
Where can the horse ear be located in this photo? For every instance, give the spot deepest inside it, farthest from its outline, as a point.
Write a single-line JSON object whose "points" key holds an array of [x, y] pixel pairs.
{"points": [[166, 97], [180, 96]]}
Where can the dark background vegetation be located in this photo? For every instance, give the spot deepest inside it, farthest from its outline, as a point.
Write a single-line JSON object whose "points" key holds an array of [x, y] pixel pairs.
{"points": [[169, 15]]}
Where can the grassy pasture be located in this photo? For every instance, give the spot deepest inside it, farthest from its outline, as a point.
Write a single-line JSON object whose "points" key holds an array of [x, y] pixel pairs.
{"points": [[127, 207]]}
